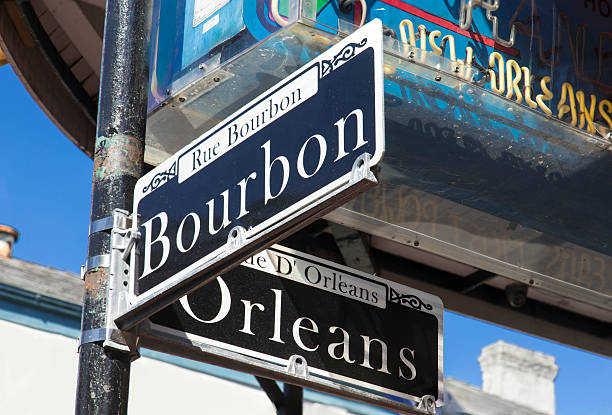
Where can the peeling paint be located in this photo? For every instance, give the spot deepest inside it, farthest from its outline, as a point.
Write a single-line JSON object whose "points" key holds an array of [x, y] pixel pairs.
{"points": [[118, 156]]}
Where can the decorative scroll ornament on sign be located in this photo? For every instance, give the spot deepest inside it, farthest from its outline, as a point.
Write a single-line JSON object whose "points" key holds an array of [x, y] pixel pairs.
{"points": [[408, 299], [161, 178], [327, 66]]}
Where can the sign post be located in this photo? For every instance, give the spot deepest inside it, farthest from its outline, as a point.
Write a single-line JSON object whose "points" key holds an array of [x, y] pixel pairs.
{"points": [[293, 317], [104, 374], [296, 152]]}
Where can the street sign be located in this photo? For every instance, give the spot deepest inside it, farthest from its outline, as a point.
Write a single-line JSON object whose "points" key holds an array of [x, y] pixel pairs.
{"points": [[282, 306], [292, 154]]}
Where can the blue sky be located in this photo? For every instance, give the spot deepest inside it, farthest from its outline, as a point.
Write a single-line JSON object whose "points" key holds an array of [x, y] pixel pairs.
{"points": [[45, 186]]}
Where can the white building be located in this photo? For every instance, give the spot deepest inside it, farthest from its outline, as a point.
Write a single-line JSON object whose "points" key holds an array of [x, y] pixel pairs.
{"points": [[515, 381], [40, 311]]}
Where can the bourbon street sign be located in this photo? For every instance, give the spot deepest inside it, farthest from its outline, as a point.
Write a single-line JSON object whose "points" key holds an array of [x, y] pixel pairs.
{"points": [[291, 155], [283, 306]]}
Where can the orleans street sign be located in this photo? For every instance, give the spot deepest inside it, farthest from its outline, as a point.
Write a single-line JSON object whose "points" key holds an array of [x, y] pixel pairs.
{"points": [[291, 155], [344, 325]]}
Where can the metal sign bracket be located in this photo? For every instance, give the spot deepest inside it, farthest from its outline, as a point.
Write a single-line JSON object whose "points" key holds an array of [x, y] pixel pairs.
{"points": [[297, 366], [428, 403], [362, 170], [235, 240], [123, 239]]}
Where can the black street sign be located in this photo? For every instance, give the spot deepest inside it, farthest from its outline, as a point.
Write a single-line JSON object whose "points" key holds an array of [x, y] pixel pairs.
{"points": [[344, 325], [294, 153]]}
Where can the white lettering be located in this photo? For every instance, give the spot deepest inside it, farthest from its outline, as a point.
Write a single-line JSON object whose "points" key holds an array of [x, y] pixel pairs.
{"points": [[211, 213], [196, 232], [297, 326], [224, 307], [366, 354], [408, 364], [344, 343], [277, 316], [243, 186], [148, 225], [322, 153], [359, 124], [268, 166], [248, 308]]}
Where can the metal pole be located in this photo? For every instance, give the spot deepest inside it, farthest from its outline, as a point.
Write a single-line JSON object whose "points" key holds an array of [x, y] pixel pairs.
{"points": [[293, 400], [104, 375], [289, 401]]}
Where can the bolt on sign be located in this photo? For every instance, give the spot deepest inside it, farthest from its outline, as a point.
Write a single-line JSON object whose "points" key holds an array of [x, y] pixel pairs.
{"points": [[292, 154], [281, 306]]}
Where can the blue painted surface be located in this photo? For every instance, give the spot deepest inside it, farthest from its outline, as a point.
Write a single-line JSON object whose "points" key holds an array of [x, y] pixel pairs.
{"points": [[34, 318], [569, 42], [180, 42]]}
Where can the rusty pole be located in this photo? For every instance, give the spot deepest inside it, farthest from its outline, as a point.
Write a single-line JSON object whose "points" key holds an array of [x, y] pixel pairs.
{"points": [[104, 375]]}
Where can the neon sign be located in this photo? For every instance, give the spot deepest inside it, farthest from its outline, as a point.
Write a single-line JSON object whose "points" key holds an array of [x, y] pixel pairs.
{"points": [[513, 81]]}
